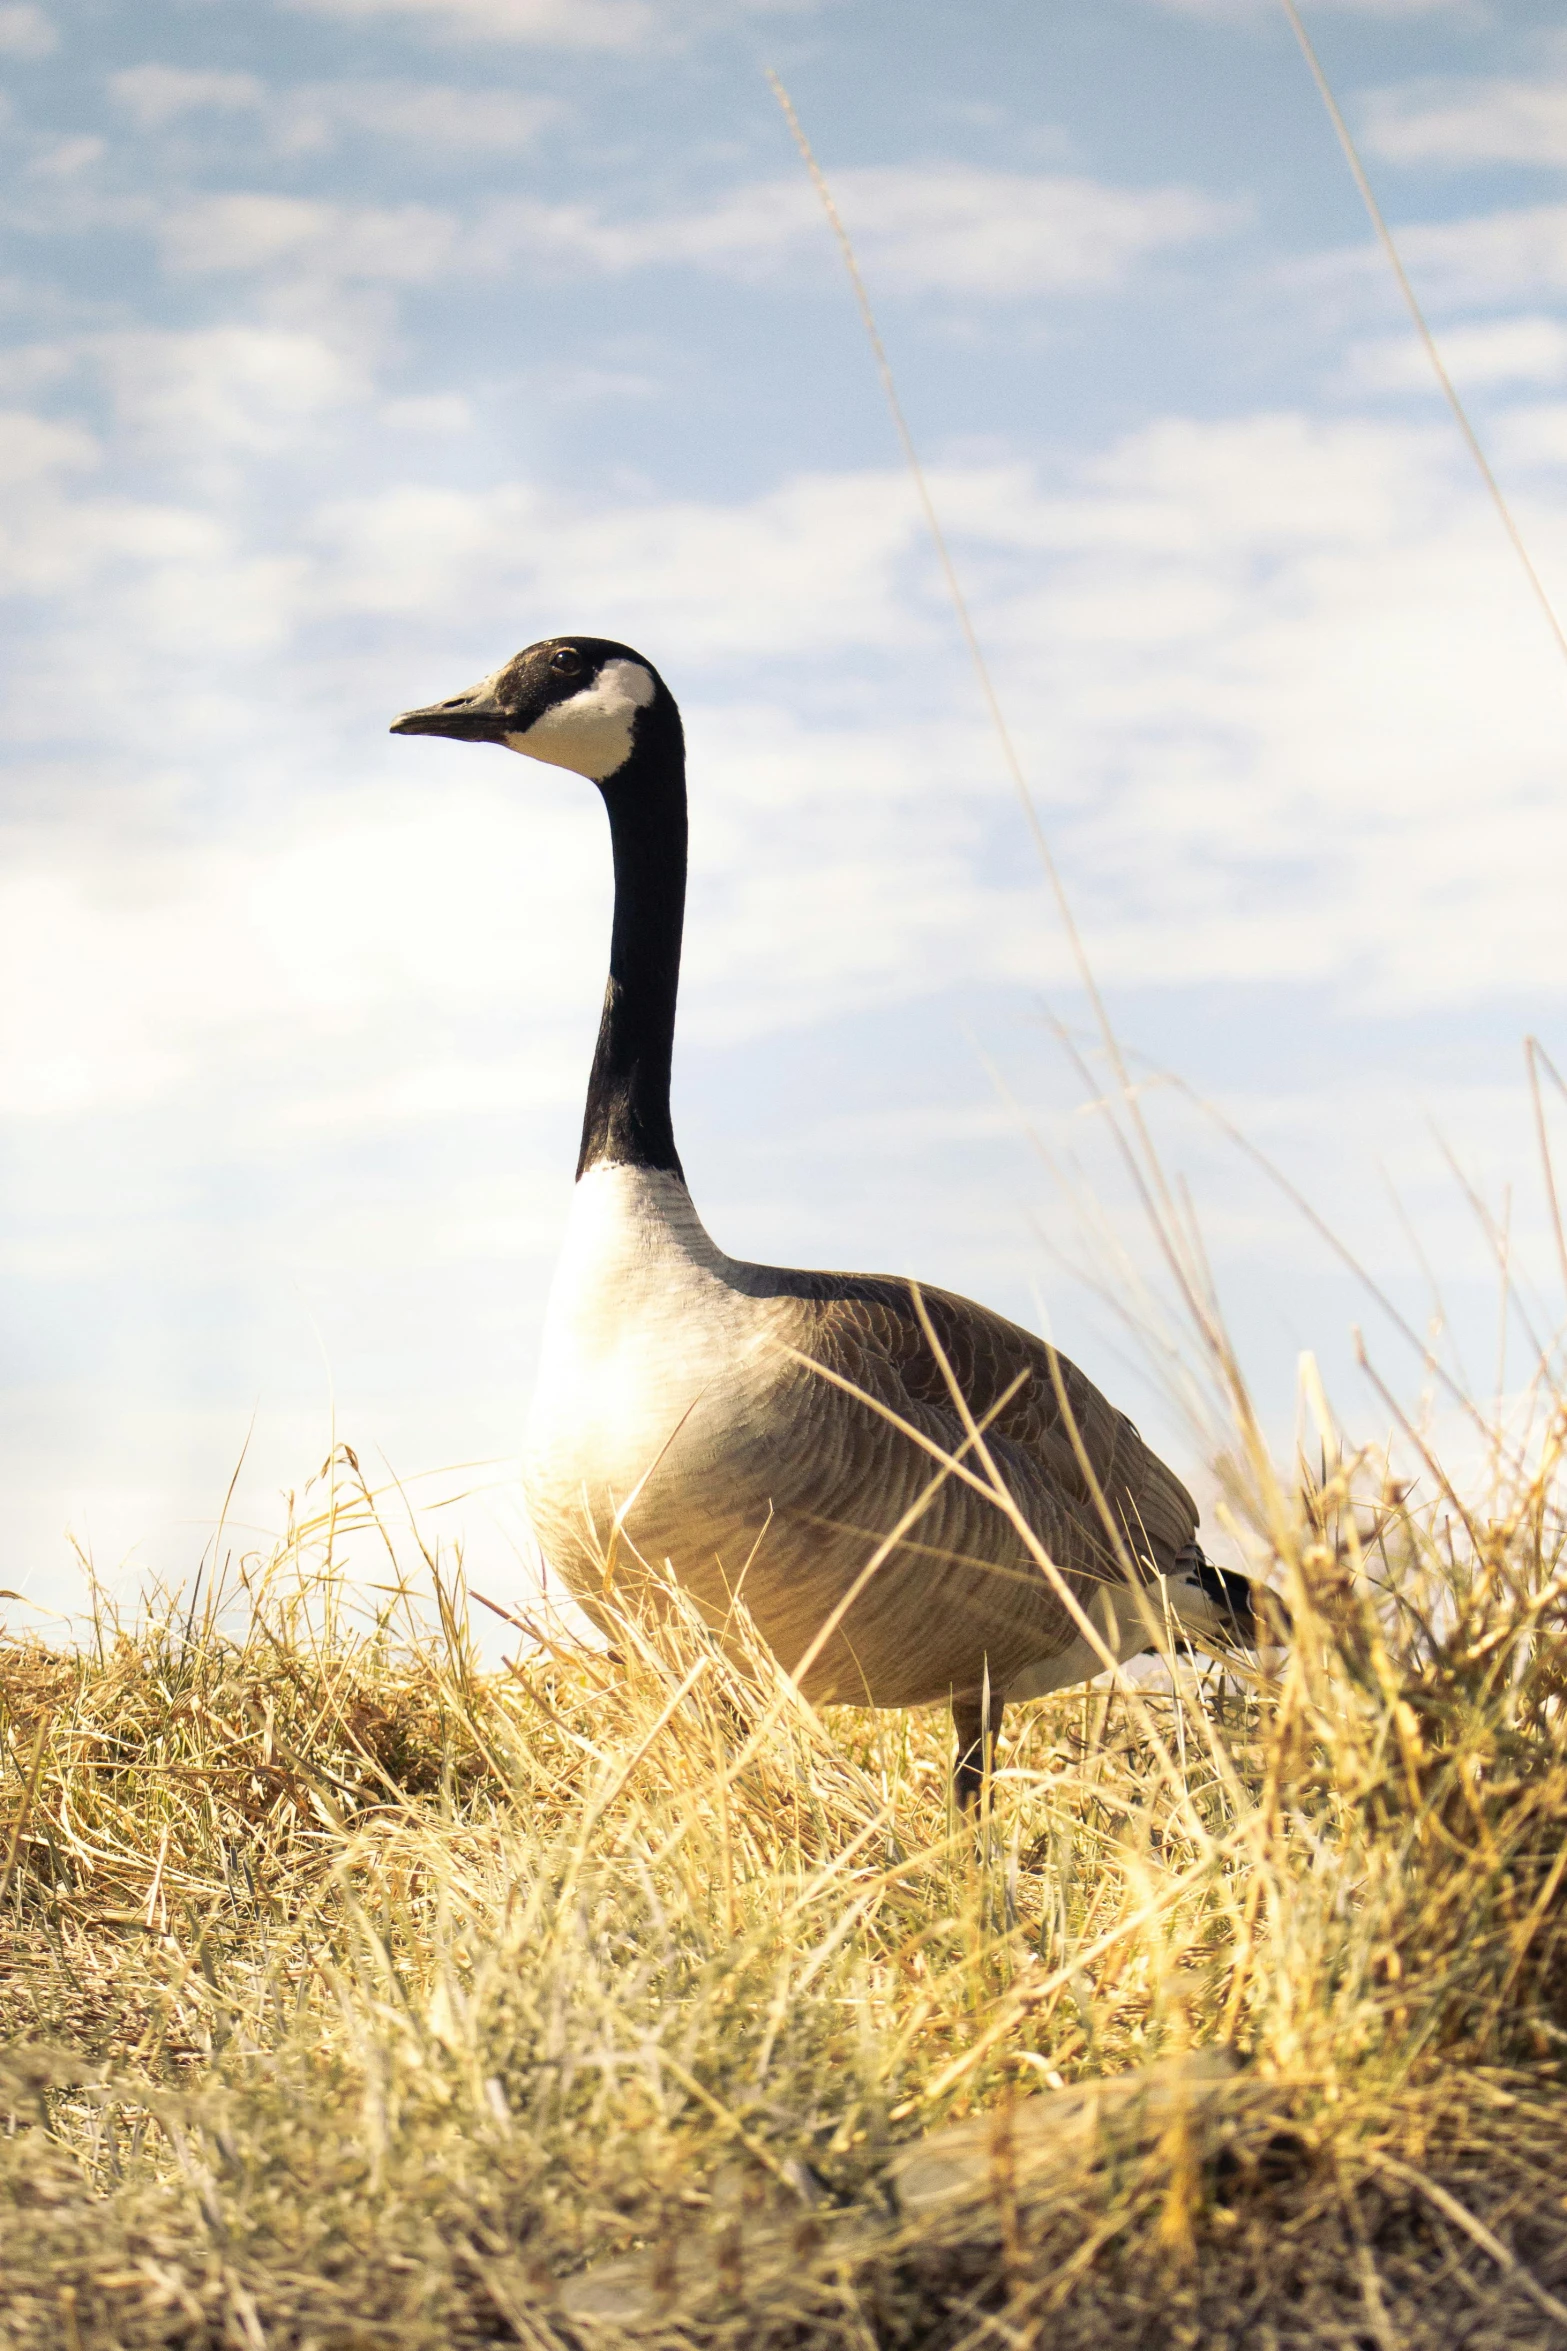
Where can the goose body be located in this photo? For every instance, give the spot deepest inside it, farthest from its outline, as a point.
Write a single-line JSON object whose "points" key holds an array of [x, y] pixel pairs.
{"points": [[768, 1432], [682, 1415]]}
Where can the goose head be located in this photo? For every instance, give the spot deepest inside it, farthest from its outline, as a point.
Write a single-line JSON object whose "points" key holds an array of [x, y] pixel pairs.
{"points": [[580, 702]]}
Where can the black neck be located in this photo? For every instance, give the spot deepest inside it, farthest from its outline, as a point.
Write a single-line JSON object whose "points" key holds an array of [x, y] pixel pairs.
{"points": [[626, 1122]]}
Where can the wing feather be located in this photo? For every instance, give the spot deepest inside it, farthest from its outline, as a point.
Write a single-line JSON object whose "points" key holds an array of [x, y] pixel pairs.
{"points": [[1055, 1421]]}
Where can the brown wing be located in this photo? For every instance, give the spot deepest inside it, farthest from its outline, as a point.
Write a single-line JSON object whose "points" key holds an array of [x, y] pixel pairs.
{"points": [[1058, 1418], [869, 1330], [963, 1594]]}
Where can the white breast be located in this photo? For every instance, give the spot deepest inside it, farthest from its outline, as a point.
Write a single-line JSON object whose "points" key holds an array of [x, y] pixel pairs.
{"points": [[646, 1333]]}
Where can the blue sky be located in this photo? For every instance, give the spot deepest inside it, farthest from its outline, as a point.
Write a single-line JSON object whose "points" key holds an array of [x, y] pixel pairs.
{"points": [[351, 344]]}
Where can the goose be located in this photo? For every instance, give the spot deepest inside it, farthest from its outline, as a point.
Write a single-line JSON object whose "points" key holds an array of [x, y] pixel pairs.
{"points": [[787, 1438]]}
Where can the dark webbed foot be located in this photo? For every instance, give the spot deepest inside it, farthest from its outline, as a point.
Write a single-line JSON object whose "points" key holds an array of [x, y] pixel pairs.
{"points": [[977, 1724]]}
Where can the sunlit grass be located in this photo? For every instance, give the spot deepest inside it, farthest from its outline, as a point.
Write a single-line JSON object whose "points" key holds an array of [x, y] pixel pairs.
{"points": [[354, 1994]]}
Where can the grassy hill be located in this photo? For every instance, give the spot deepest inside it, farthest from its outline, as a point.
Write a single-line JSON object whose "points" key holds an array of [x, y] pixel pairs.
{"points": [[353, 1996]]}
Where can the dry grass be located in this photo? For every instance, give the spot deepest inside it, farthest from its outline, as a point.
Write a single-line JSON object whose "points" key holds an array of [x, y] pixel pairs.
{"points": [[354, 1996]]}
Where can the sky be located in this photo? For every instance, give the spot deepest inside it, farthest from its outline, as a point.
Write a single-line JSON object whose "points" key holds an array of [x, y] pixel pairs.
{"points": [[346, 346]]}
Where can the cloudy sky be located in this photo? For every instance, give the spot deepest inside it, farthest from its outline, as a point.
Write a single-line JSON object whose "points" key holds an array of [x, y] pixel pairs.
{"points": [[351, 344]]}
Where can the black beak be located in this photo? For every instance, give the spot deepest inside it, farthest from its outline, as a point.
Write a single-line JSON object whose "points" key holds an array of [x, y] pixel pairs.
{"points": [[474, 717]]}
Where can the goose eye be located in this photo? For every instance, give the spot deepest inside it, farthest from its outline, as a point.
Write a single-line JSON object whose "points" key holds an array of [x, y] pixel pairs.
{"points": [[565, 663]]}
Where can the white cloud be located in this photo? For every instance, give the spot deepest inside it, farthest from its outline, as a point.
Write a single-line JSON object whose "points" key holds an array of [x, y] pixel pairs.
{"points": [[193, 399], [1490, 258], [35, 448], [1530, 350], [1500, 121], [1240, 11], [30, 368], [129, 571], [85, 1040], [1259, 666], [1332, 709], [331, 952], [945, 228], [405, 243], [67, 159], [26, 32], [434, 412], [279, 944], [1529, 436], [316, 116], [412, 115], [564, 24], [219, 389], [556, 24], [1010, 234], [1290, 711], [813, 563], [156, 95]]}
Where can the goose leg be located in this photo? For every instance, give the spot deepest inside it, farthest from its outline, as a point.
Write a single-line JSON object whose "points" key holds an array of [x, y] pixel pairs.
{"points": [[976, 1717]]}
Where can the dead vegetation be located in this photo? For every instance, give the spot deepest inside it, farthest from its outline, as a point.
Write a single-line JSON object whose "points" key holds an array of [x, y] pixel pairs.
{"points": [[352, 1995]]}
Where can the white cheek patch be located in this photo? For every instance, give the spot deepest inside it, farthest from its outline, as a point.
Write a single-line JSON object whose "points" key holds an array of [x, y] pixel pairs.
{"points": [[593, 731]]}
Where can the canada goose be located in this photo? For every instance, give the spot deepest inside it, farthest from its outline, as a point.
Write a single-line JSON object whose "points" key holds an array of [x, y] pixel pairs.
{"points": [[753, 1425]]}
